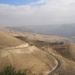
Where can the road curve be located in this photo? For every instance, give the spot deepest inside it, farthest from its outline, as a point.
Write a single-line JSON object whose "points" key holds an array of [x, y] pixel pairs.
{"points": [[58, 66], [58, 60]]}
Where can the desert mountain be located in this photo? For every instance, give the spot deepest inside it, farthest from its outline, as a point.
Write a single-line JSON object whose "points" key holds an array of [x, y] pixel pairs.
{"points": [[22, 56]]}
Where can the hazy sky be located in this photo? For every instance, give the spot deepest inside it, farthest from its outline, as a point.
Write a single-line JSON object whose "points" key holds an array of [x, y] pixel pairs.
{"points": [[36, 12]]}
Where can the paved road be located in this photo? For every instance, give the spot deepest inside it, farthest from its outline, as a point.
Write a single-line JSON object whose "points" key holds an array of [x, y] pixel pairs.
{"points": [[58, 66], [59, 62]]}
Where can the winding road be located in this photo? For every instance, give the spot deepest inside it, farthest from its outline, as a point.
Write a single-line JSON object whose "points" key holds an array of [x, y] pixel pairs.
{"points": [[58, 60], [43, 48], [58, 66]]}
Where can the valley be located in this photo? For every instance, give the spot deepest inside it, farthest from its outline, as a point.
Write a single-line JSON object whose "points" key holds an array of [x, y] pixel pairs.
{"points": [[38, 53]]}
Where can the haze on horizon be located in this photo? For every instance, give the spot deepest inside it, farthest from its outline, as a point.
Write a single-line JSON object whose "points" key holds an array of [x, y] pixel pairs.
{"points": [[36, 12]]}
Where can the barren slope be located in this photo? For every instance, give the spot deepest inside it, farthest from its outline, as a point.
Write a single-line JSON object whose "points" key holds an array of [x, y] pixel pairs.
{"points": [[7, 41]]}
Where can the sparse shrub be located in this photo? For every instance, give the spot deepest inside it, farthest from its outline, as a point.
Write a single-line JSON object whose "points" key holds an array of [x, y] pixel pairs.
{"points": [[9, 70]]}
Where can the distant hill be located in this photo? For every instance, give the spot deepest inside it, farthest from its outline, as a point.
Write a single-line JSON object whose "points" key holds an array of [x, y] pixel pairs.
{"points": [[65, 30], [16, 32]]}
